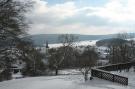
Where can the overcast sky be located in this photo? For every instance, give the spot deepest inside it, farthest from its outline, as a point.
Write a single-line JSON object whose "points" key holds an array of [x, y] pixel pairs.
{"points": [[82, 16]]}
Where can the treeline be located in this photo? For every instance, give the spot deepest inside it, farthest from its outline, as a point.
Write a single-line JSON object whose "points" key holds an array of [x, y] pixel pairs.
{"points": [[122, 52], [121, 49], [108, 42]]}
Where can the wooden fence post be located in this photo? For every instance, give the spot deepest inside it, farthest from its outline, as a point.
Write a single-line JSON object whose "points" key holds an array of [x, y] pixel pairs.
{"points": [[113, 78]]}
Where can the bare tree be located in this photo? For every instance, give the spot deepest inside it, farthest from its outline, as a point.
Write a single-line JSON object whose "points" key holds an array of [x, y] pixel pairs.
{"points": [[123, 36], [132, 45], [67, 39], [87, 59], [120, 49], [57, 56], [55, 59]]}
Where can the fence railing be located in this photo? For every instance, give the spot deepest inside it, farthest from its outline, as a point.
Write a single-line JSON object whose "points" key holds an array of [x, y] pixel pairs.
{"points": [[115, 67], [102, 72], [109, 76]]}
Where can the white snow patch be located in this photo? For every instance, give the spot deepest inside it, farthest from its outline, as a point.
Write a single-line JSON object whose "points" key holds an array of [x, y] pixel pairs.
{"points": [[81, 43], [17, 75], [69, 71]]}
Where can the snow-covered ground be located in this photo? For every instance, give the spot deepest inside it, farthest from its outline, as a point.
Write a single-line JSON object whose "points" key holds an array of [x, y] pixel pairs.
{"points": [[65, 82], [130, 75], [60, 82]]}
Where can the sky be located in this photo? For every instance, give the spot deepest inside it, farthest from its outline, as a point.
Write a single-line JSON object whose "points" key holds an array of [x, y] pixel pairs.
{"points": [[90, 17]]}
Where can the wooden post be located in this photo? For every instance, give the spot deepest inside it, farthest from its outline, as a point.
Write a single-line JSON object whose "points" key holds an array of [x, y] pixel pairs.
{"points": [[127, 82], [101, 75], [113, 78]]}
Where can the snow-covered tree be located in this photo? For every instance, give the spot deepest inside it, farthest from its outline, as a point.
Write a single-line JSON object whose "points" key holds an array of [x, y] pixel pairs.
{"points": [[87, 59], [12, 26]]}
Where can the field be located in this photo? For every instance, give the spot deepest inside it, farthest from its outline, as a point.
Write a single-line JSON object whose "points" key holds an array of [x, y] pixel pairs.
{"points": [[67, 81]]}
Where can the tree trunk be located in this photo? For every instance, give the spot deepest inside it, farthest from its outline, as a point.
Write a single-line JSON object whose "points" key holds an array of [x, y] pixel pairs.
{"points": [[56, 71], [85, 77]]}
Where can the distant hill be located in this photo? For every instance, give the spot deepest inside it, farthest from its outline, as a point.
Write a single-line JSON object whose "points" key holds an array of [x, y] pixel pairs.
{"points": [[40, 39], [111, 41]]}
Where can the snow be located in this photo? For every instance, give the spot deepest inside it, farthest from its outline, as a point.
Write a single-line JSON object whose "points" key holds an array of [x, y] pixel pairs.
{"points": [[1, 70], [69, 72], [59, 82], [130, 75], [17, 75], [65, 82], [103, 62], [81, 43]]}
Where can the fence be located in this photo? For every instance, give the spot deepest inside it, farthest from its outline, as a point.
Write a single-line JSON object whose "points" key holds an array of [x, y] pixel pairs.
{"points": [[109, 76], [115, 67], [102, 72]]}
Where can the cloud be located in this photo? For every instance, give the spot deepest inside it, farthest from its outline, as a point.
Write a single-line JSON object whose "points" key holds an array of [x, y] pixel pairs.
{"points": [[116, 11], [112, 17], [59, 10], [42, 13], [77, 29]]}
